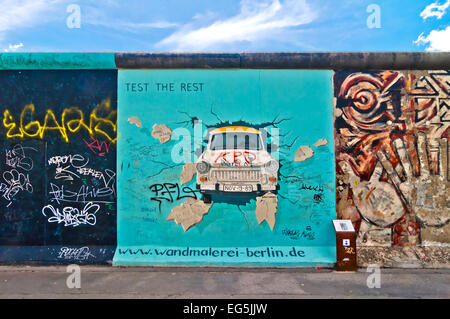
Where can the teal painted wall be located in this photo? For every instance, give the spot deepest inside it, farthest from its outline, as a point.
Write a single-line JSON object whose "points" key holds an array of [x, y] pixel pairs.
{"points": [[297, 102], [52, 61]]}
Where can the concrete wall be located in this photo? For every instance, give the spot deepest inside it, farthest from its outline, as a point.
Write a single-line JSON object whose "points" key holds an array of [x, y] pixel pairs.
{"points": [[391, 114], [58, 158], [392, 154], [275, 216]]}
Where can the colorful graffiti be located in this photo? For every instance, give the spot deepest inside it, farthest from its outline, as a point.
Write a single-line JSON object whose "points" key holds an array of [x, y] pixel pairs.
{"points": [[392, 152], [185, 197], [58, 162], [72, 121]]}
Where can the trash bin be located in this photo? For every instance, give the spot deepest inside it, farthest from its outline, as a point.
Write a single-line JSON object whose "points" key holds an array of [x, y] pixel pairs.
{"points": [[345, 245]]}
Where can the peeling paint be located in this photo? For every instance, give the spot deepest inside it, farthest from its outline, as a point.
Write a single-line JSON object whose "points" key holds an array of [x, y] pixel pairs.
{"points": [[303, 153], [162, 132], [188, 172], [371, 235], [190, 213], [135, 120], [321, 142], [436, 234], [266, 208], [435, 256], [426, 243]]}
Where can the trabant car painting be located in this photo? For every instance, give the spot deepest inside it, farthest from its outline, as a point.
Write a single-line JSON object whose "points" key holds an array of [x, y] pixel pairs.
{"points": [[236, 162]]}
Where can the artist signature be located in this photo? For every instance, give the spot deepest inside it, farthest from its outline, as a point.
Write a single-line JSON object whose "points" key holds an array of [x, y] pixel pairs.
{"points": [[295, 234]]}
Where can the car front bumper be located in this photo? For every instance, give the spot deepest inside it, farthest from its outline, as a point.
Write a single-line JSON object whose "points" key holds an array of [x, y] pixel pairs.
{"points": [[244, 187]]}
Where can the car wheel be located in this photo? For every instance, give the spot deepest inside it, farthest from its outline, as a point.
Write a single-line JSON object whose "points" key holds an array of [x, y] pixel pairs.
{"points": [[207, 198]]}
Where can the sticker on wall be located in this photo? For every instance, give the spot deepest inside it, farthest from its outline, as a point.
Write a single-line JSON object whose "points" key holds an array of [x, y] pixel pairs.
{"points": [[230, 167]]}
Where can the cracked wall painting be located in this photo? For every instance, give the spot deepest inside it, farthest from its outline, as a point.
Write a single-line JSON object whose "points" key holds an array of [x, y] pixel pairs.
{"points": [[225, 167], [58, 165], [392, 155]]}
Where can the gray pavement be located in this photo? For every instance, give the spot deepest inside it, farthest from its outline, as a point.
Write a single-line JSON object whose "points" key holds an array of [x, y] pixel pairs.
{"points": [[150, 282]]}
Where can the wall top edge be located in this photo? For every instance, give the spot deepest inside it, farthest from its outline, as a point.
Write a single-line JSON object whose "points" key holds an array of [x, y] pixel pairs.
{"points": [[248, 60], [56, 61]]}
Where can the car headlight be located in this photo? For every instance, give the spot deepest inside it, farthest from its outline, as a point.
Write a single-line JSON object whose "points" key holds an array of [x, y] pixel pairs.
{"points": [[202, 167], [272, 166]]}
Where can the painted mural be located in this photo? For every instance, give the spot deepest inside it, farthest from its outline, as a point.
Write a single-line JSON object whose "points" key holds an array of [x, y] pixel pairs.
{"points": [[58, 165], [392, 155], [225, 167]]}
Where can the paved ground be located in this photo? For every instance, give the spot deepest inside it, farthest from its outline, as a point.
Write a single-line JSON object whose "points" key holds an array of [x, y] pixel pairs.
{"points": [[145, 282]]}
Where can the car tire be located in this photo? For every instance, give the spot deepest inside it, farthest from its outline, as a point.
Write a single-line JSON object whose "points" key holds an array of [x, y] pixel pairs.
{"points": [[207, 198]]}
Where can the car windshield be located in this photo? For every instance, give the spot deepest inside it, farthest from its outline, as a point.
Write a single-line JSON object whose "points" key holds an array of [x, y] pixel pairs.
{"points": [[236, 140]]}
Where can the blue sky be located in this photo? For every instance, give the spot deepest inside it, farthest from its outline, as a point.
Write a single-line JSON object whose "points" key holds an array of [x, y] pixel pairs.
{"points": [[223, 25]]}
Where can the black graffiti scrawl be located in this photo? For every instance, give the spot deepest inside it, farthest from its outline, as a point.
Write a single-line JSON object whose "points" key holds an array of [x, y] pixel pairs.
{"points": [[58, 164]]}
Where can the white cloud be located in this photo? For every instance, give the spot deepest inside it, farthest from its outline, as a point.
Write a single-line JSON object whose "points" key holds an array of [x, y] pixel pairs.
{"points": [[152, 25], [21, 14], [14, 47], [132, 26], [435, 10], [16, 14], [98, 16], [255, 21], [437, 40]]}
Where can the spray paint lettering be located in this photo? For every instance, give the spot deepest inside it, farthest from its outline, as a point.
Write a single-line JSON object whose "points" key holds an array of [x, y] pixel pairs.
{"points": [[17, 179], [98, 148], [170, 192], [72, 121], [72, 216], [248, 157], [79, 254]]}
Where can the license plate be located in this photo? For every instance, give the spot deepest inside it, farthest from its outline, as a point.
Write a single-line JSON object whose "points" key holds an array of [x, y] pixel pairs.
{"points": [[237, 188]]}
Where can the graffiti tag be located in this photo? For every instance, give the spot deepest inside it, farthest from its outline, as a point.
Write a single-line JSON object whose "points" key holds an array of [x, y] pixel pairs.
{"points": [[170, 192], [71, 216]]}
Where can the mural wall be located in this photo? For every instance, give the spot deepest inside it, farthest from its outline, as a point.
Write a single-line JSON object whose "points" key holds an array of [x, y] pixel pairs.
{"points": [[232, 167], [58, 165], [221, 166], [392, 155]]}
